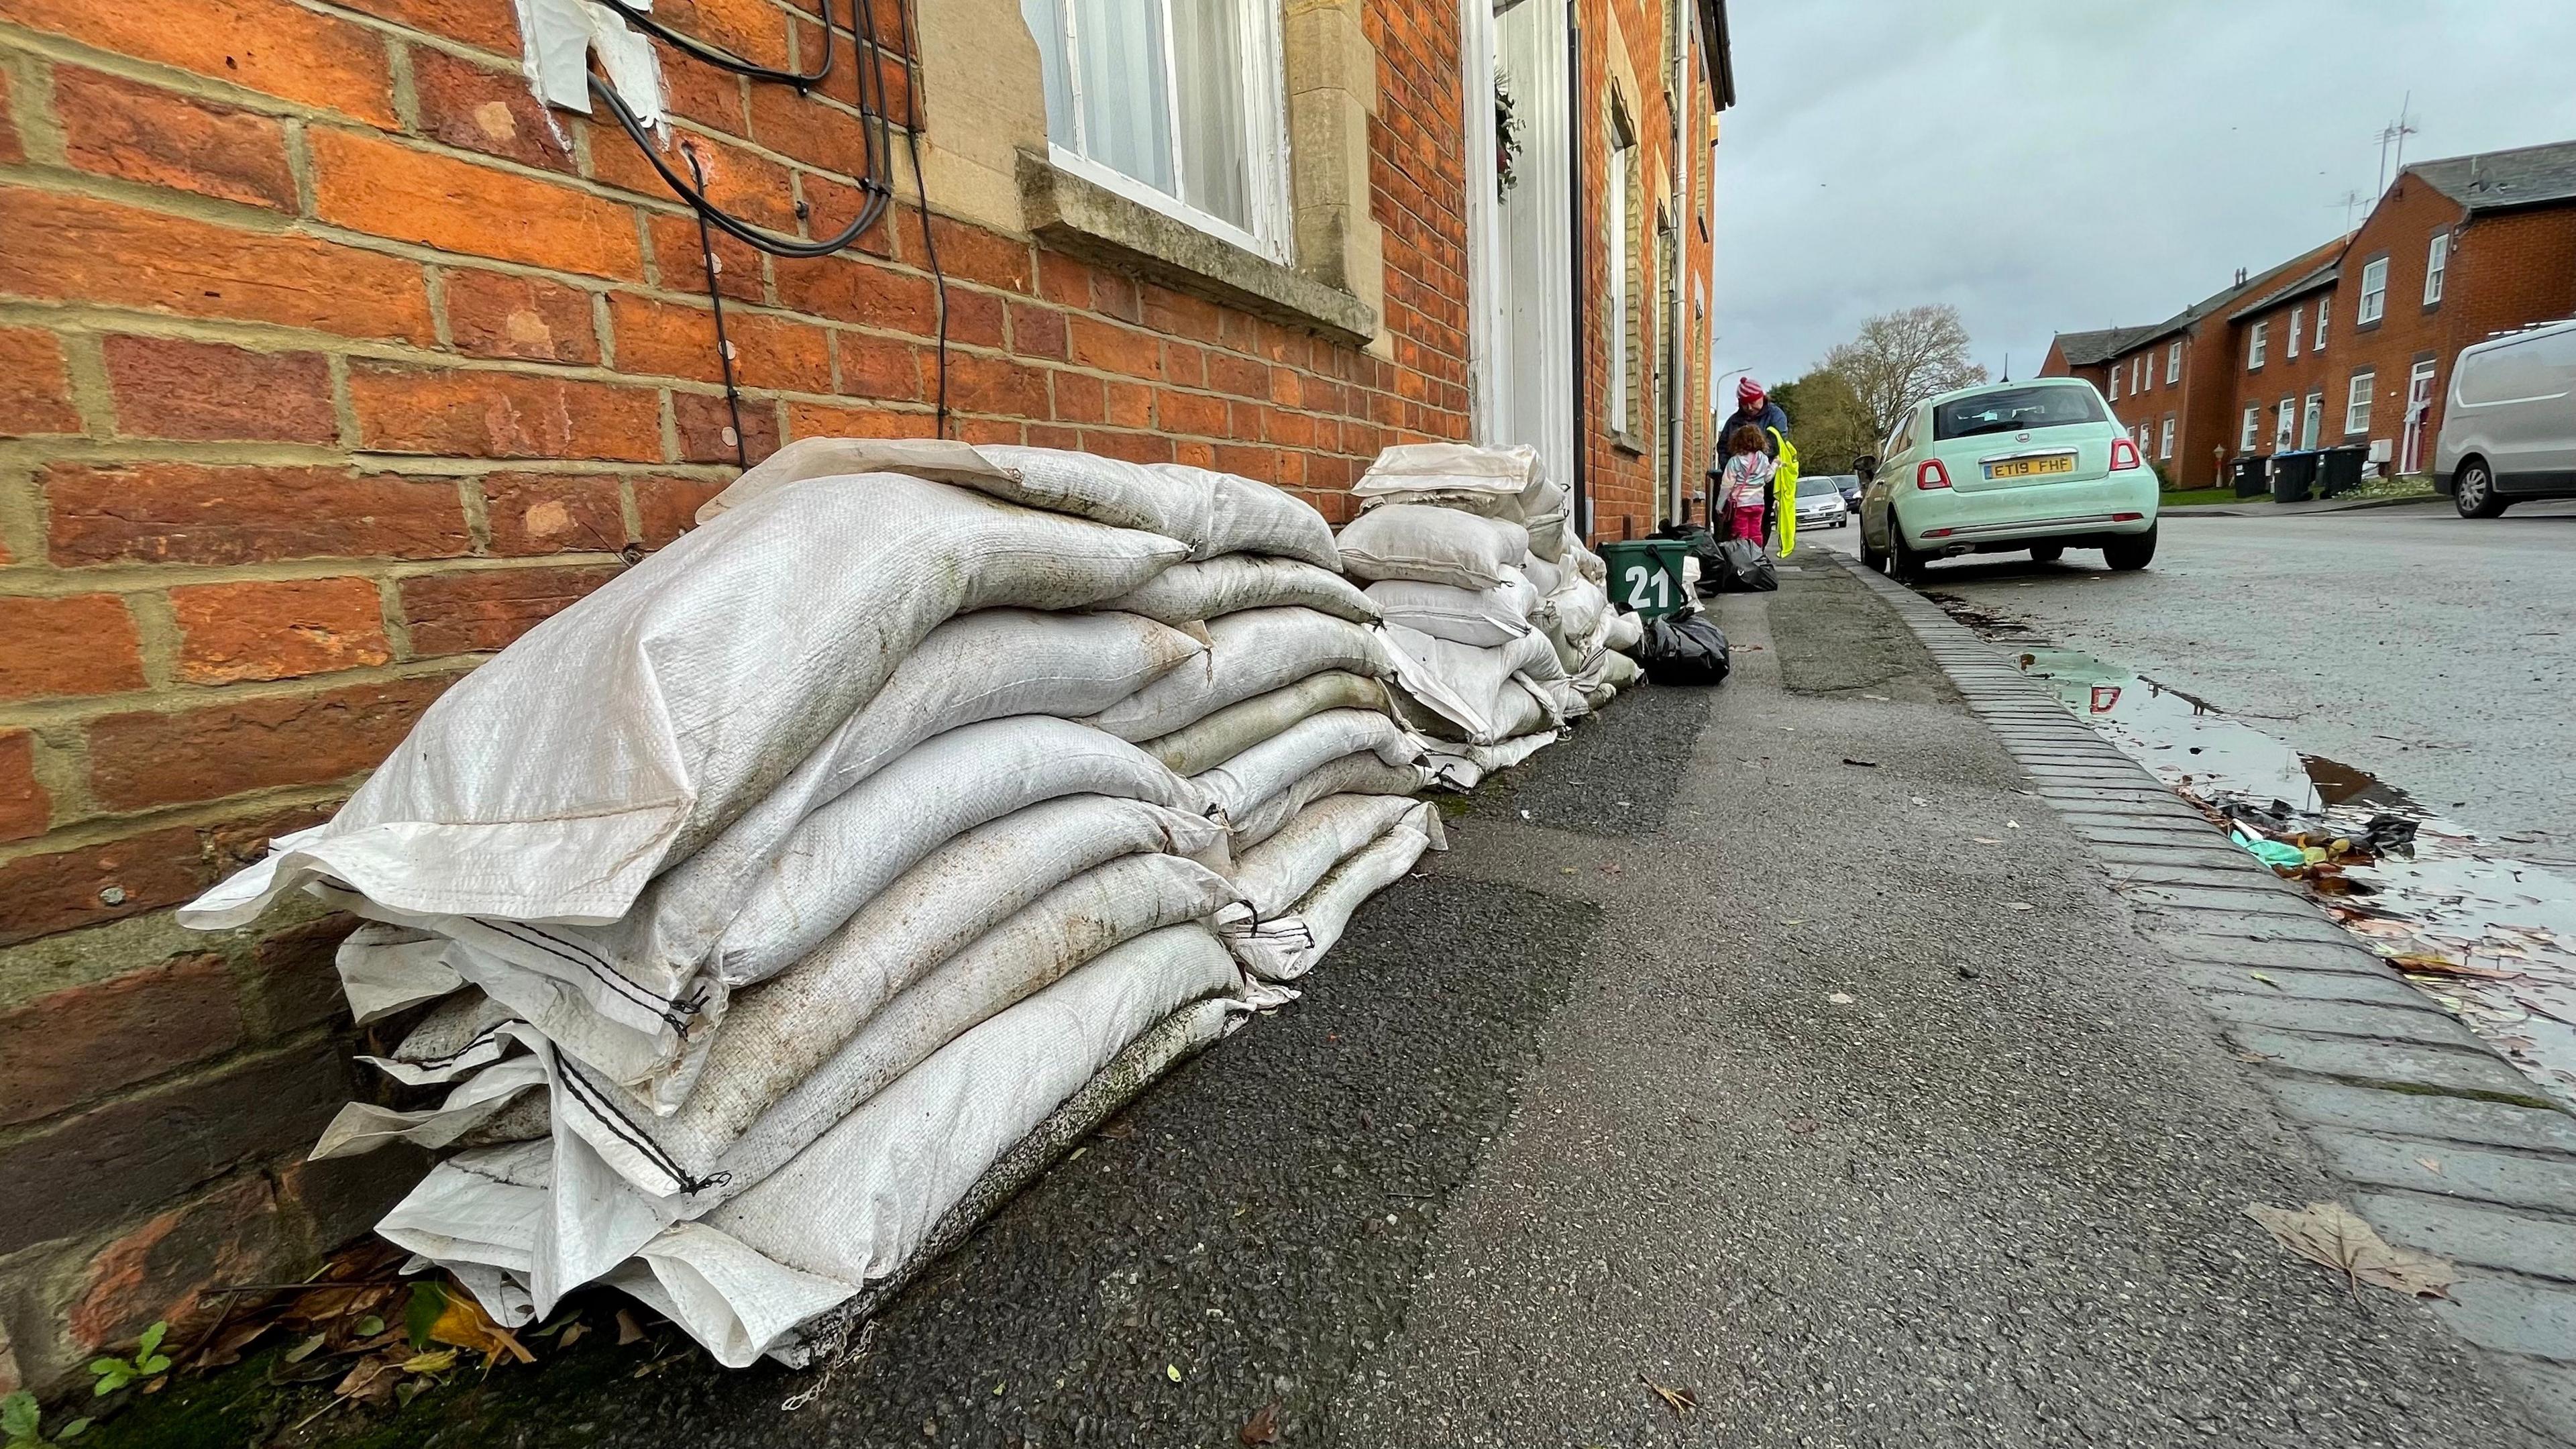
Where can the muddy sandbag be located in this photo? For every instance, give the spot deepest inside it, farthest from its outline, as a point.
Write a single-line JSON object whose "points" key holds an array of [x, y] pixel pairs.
{"points": [[1275, 873], [614, 738], [1475, 689], [1494, 482], [1192, 592], [1433, 546], [1257, 774], [1228, 732], [1248, 653], [1325, 911], [1688, 650], [1360, 772]]}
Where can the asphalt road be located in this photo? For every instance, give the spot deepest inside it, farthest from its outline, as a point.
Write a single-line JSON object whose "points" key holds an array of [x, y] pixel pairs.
{"points": [[1841, 1097], [2429, 650]]}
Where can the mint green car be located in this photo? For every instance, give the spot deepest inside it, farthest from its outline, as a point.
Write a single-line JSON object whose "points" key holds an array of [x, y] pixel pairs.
{"points": [[2005, 467]]}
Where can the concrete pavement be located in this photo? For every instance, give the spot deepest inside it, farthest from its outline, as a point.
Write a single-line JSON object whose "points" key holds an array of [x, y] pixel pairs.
{"points": [[1780, 1044]]}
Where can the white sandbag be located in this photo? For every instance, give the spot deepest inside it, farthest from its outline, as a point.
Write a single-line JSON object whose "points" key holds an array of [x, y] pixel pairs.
{"points": [[553, 782], [1472, 688], [785, 1027], [1496, 482], [1230, 731], [1359, 773], [460, 1035], [1325, 911], [1627, 631], [1248, 653], [1273, 875], [1432, 545], [822, 1067], [364, 1126], [1463, 767], [1547, 531], [1525, 709], [627, 998], [1540, 570], [1578, 606], [385, 969], [1583, 561], [1481, 617], [893, 1168], [1191, 592], [1234, 787], [1248, 516], [938, 460], [1620, 670]]}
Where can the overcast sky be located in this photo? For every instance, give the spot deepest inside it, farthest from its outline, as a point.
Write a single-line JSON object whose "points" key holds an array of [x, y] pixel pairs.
{"points": [[2055, 165]]}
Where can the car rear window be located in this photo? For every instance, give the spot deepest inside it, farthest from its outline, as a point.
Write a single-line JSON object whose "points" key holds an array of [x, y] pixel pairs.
{"points": [[2014, 410], [1817, 486]]}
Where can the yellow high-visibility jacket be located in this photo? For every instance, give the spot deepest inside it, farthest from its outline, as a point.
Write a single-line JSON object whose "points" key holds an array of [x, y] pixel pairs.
{"points": [[1784, 491]]}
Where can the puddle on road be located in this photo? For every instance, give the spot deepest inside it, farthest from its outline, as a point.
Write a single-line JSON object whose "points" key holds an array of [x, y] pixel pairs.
{"points": [[2493, 939]]}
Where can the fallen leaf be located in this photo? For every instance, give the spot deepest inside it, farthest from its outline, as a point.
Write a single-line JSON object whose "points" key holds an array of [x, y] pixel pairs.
{"points": [[1262, 1427], [628, 1330], [572, 1333], [2430, 1164], [1172, 1371], [2333, 1236], [298, 1353], [430, 1363], [464, 1324], [371, 1380], [2428, 965], [1841, 998], [2266, 980], [1680, 1401]]}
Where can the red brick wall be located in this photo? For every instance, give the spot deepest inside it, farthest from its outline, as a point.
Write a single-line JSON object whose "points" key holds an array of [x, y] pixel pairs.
{"points": [[1620, 470], [329, 362], [2401, 227]]}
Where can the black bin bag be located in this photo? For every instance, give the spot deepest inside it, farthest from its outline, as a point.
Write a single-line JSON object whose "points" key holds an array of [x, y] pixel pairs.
{"points": [[1685, 650], [1743, 568]]}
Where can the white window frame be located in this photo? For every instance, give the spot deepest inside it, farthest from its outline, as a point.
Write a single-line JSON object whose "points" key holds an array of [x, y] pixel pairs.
{"points": [[2173, 363], [2290, 347], [1615, 206], [2356, 401], [1265, 103], [2250, 439], [2325, 313], [2139, 374], [2374, 292], [2285, 424], [2256, 342], [2116, 370], [2164, 440], [2437, 261]]}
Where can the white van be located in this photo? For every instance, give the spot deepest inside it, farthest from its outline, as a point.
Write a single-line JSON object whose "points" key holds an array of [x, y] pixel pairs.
{"points": [[2509, 431]]}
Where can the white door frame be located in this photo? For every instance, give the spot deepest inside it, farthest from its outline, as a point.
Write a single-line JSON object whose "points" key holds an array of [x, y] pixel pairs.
{"points": [[2419, 407], [1534, 243], [1487, 324]]}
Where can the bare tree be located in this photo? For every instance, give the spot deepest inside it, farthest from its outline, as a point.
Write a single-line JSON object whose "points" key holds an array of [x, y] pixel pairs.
{"points": [[1901, 358]]}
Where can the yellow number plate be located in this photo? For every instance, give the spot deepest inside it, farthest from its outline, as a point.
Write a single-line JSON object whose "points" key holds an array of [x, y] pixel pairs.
{"points": [[2032, 467]]}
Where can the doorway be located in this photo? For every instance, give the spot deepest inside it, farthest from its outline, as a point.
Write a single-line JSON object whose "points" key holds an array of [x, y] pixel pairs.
{"points": [[1532, 367]]}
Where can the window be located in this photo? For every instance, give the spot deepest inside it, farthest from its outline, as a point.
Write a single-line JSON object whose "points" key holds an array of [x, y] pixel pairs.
{"points": [[2291, 347], [2374, 291], [1622, 215], [2254, 344], [1172, 103], [2325, 310], [2285, 417], [2115, 382], [2164, 439], [2173, 364], [2138, 375], [2436, 262], [2356, 404], [2016, 409], [2253, 425], [2311, 417]]}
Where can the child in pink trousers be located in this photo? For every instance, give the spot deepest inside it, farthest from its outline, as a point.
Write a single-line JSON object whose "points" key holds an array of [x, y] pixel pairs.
{"points": [[1746, 484]]}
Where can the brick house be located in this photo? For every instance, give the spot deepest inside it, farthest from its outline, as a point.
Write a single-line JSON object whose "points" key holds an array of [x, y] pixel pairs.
{"points": [[332, 358], [2350, 343]]}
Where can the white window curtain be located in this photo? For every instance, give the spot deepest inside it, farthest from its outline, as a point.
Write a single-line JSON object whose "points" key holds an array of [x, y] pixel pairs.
{"points": [[1174, 103]]}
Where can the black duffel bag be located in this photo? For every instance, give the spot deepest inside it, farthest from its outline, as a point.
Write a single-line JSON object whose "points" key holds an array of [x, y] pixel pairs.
{"points": [[1685, 649]]}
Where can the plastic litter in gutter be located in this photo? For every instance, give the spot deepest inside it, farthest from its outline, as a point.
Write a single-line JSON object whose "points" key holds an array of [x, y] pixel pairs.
{"points": [[2489, 937]]}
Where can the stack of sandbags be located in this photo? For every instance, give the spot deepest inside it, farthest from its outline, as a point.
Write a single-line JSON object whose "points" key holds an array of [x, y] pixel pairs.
{"points": [[801, 883], [1501, 631]]}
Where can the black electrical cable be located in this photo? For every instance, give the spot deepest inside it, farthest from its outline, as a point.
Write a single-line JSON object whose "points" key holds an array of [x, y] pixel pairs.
{"points": [[875, 192], [726, 60], [715, 298], [921, 191]]}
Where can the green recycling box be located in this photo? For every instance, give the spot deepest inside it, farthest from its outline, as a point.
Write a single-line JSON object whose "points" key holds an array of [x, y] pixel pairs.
{"points": [[1646, 575]]}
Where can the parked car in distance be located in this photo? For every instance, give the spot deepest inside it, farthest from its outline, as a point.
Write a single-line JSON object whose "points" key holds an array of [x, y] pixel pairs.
{"points": [[2003, 467], [2509, 425], [1848, 484], [1820, 503]]}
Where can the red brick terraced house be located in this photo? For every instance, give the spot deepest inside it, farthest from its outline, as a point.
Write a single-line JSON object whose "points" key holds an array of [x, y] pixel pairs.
{"points": [[338, 346], [2352, 343]]}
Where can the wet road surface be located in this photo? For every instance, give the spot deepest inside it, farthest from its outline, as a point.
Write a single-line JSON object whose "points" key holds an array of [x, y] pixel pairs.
{"points": [[2429, 650]]}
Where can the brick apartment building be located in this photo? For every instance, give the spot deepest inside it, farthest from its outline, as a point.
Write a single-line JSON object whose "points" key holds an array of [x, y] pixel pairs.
{"points": [[2351, 343], [332, 359]]}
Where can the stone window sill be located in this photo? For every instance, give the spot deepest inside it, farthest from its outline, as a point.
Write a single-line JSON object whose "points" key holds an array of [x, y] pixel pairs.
{"points": [[1628, 443], [1089, 220]]}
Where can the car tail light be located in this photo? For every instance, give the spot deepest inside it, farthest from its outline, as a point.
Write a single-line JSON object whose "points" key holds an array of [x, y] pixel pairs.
{"points": [[2124, 455], [1936, 533], [2126, 517], [1930, 474]]}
